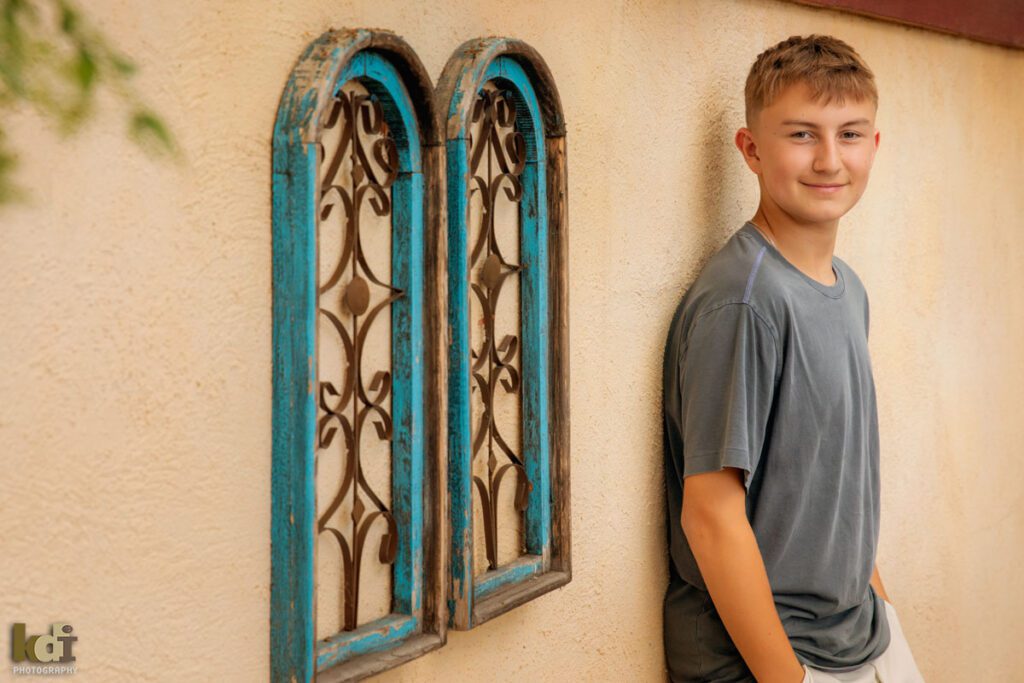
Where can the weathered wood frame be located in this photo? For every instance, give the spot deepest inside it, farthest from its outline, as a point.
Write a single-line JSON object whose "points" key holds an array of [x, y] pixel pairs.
{"points": [[418, 620], [474, 600]]}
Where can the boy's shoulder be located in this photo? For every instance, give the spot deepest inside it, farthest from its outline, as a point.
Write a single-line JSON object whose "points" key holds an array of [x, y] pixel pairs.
{"points": [[745, 271], [724, 275], [734, 274]]}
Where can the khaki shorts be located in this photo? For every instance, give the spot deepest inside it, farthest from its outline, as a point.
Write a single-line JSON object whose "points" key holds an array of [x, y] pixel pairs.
{"points": [[895, 665]]}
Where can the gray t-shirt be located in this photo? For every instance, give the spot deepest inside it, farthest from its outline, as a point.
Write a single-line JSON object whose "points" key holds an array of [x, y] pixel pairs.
{"points": [[767, 369]]}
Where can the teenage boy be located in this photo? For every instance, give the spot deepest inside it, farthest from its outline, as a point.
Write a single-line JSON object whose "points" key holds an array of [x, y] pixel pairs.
{"points": [[771, 427]]}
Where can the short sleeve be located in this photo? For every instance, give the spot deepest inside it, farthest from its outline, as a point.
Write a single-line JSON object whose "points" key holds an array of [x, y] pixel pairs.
{"points": [[727, 383]]}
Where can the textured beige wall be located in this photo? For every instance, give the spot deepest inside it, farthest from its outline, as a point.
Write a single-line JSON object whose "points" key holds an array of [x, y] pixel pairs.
{"points": [[135, 343]]}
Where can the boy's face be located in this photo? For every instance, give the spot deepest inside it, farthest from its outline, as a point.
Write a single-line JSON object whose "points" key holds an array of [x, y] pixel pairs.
{"points": [[812, 159]]}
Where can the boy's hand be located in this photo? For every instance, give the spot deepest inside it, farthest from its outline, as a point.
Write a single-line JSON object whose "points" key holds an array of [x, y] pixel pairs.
{"points": [[714, 519], [876, 582]]}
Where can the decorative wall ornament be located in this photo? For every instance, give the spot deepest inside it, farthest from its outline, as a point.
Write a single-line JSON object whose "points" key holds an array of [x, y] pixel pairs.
{"points": [[505, 153], [357, 479], [365, 436], [493, 363], [356, 406]]}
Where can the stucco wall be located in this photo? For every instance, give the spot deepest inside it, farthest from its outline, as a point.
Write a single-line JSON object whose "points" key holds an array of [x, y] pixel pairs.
{"points": [[135, 339]]}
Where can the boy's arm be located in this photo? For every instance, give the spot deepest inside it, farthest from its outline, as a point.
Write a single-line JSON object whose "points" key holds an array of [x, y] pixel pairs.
{"points": [[876, 581], [715, 522]]}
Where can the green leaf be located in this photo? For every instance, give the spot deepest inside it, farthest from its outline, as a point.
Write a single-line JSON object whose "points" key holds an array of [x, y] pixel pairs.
{"points": [[9, 191], [147, 128], [85, 69], [123, 65], [68, 18]]}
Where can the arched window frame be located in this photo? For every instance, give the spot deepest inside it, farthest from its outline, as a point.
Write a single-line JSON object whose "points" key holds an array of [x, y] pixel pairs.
{"points": [[416, 625], [545, 416]]}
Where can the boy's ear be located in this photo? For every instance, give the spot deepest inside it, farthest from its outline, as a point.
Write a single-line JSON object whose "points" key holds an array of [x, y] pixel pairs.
{"points": [[748, 148]]}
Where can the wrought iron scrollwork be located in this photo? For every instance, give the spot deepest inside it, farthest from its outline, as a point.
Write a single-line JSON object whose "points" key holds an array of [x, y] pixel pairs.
{"points": [[493, 362], [347, 410]]}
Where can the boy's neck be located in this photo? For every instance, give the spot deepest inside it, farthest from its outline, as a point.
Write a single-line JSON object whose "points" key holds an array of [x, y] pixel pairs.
{"points": [[809, 247]]}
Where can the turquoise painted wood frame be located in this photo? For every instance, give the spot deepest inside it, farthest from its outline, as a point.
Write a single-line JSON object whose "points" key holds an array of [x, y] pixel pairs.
{"points": [[517, 69], [391, 72]]}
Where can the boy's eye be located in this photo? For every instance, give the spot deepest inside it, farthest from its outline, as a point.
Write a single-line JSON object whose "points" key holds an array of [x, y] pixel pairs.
{"points": [[806, 135]]}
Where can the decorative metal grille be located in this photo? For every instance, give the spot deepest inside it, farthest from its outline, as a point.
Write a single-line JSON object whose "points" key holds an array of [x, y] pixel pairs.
{"points": [[507, 370], [357, 535], [497, 159], [348, 409]]}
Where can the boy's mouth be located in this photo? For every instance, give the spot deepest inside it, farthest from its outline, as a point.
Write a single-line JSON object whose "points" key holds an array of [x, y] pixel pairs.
{"points": [[826, 188]]}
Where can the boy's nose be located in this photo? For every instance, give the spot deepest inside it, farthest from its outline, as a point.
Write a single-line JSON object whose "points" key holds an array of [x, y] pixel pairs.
{"points": [[827, 160]]}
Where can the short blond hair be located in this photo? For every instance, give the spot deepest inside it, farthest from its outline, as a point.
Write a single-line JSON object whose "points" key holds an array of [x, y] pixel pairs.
{"points": [[829, 67]]}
